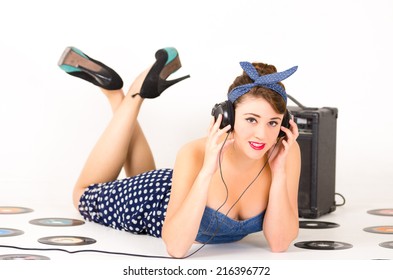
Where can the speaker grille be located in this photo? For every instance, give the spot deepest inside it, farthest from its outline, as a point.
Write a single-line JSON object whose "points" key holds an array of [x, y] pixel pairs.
{"points": [[304, 198], [317, 141]]}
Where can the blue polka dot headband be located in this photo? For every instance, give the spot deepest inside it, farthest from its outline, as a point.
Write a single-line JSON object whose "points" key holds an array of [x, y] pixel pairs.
{"points": [[268, 81]]}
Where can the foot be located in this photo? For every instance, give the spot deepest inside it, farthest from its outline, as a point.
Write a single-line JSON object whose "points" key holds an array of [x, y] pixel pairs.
{"points": [[78, 64], [155, 82], [136, 86]]}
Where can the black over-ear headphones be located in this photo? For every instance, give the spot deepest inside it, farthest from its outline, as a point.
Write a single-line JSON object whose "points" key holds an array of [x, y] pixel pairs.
{"points": [[227, 111]]}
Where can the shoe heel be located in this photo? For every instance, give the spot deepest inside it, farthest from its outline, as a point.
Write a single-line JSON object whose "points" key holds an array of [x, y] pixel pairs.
{"points": [[167, 62], [164, 84], [171, 66], [76, 63]]}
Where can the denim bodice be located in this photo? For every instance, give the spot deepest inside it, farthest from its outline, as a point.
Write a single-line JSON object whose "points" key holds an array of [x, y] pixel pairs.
{"points": [[217, 228]]}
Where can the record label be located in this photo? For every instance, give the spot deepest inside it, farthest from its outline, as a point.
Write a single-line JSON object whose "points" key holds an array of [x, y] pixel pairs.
{"points": [[381, 212], [388, 244], [4, 232], [380, 229], [317, 224], [56, 222], [23, 257], [323, 245], [66, 240], [14, 210]]}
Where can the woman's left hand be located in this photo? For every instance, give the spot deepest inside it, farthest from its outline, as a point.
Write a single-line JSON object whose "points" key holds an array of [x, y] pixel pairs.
{"points": [[280, 151]]}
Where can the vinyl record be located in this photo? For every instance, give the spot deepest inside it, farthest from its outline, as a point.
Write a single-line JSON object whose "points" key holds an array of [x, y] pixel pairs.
{"points": [[4, 232], [380, 229], [388, 244], [323, 245], [23, 257], [66, 240], [56, 222], [14, 210], [317, 224], [381, 212]]}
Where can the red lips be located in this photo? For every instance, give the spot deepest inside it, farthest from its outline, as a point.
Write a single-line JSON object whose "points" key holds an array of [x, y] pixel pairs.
{"points": [[257, 146]]}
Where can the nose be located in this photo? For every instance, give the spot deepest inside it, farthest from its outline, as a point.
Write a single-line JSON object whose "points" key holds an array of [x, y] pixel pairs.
{"points": [[260, 132]]}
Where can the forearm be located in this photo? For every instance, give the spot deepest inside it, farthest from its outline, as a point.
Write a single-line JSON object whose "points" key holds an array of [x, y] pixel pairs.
{"points": [[180, 229], [281, 223]]}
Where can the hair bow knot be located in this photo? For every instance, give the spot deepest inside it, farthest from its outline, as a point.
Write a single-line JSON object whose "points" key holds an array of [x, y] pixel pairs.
{"points": [[268, 81]]}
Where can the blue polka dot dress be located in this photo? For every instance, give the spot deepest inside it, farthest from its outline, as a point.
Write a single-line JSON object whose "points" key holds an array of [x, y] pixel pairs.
{"points": [[135, 204]]}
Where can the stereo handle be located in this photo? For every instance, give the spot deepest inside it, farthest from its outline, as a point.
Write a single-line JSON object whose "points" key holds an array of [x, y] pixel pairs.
{"points": [[300, 104]]}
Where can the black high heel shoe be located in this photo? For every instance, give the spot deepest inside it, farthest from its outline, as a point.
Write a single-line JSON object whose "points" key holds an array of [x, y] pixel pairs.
{"points": [[78, 64], [167, 62]]}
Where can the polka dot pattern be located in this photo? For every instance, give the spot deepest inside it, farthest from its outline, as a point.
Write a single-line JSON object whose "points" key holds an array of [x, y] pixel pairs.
{"points": [[135, 204], [269, 81]]}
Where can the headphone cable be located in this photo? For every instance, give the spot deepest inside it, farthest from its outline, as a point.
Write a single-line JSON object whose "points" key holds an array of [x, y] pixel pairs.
{"points": [[157, 256], [227, 193]]}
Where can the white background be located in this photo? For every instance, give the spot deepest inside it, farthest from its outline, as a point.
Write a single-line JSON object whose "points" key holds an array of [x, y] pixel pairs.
{"points": [[49, 120]]}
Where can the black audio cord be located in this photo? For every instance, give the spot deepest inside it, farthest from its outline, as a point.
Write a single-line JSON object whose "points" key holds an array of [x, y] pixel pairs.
{"points": [[342, 197], [84, 251], [157, 256]]}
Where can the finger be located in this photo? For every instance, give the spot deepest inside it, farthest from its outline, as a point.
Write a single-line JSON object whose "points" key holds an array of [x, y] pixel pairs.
{"points": [[226, 129], [289, 138], [221, 132], [294, 128], [286, 130], [217, 123], [213, 123], [212, 120], [285, 143]]}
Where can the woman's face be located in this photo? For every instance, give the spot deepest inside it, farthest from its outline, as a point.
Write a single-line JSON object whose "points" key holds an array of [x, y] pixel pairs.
{"points": [[257, 126]]}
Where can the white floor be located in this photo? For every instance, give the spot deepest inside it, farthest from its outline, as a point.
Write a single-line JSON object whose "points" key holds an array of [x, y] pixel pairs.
{"points": [[352, 219]]}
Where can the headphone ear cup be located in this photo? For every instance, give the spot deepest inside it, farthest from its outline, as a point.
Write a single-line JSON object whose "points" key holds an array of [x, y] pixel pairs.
{"points": [[285, 122], [227, 111]]}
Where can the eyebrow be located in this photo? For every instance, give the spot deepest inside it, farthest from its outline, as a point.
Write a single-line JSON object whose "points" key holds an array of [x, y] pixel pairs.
{"points": [[258, 116]]}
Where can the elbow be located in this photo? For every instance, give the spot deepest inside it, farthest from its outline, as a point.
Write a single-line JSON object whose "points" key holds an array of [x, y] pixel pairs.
{"points": [[279, 248], [280, 245], [175, 252], [173, 248]]}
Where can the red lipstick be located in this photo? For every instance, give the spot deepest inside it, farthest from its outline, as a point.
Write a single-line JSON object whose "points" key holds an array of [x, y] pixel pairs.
{"points": [[257, 146]]}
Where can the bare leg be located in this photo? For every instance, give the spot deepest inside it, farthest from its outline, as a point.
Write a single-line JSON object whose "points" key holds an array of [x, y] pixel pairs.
{"points": [[122, 141], [139, 157], [115, 98]]}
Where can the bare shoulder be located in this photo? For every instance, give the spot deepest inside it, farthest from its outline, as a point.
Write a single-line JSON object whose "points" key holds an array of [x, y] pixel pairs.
{"points": [[193, 151], [294, 165], [295, 149], [294, 152], [189, 161]]}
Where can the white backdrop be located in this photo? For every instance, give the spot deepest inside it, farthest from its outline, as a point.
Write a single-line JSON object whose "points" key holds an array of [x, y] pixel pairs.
{"points": [[49, 120]]}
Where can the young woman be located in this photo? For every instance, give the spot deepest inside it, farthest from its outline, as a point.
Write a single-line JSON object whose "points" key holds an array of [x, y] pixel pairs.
{"points": [[241, 178]]}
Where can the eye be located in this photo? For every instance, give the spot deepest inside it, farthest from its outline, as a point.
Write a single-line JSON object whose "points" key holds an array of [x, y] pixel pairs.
{"points": [[273, 123], [251, 120]]}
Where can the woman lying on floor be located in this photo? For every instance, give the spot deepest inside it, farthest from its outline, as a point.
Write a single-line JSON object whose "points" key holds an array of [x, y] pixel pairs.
{"points": [[239, 179]]}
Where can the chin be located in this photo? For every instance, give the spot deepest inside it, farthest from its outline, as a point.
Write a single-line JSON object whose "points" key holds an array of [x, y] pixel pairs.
{"points": [[256, 155]]}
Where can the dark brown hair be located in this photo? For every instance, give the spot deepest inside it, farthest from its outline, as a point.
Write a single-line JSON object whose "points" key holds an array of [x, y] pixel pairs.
{"points": [[272, 97]]}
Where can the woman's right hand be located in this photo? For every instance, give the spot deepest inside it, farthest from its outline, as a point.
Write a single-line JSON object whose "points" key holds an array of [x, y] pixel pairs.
{"points": [[214, 144]]}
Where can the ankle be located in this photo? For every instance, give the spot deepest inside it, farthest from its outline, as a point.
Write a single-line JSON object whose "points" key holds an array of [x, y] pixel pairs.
{"points": [[115, 98], [136, 85], [134, 95]]}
